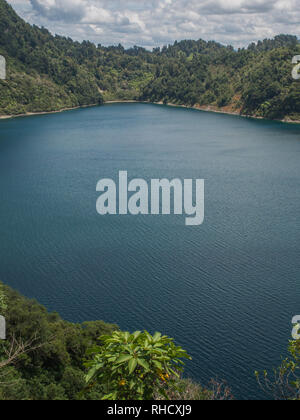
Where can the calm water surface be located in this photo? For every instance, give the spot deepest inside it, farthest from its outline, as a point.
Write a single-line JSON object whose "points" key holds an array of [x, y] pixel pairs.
{"points": [[227, 290]]}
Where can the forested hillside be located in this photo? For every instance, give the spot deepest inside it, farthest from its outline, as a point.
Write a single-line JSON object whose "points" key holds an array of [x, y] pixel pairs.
{"points": [[46, 352], [253, 81], [47, 73]]}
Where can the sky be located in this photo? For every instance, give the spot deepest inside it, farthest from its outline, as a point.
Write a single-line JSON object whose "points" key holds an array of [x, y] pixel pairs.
{"points": [[153, 23]]}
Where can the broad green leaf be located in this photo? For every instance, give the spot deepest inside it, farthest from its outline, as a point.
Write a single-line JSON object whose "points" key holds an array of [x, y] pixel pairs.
{"points": [[158, 364], [174, 373], [136, 334], [143, 363], [132, 365], [90, 374], [156, 337], [124, 358]]}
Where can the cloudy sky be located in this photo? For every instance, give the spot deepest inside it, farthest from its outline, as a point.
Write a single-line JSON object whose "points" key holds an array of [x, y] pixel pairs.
{"points": [[152, 23]]}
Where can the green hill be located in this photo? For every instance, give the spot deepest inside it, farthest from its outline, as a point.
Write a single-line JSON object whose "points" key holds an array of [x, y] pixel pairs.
{"points": [[48, 73]]}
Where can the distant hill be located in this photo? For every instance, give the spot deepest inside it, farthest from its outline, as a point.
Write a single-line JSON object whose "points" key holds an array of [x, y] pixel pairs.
{"points": [[48, 73]]}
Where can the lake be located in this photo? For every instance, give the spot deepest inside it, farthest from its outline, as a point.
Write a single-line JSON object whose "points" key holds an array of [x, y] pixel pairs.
{"points": [[226, 290]]}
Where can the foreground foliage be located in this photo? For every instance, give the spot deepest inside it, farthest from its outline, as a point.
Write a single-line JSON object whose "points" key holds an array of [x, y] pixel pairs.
{"points": [[42, 359], [49, 352], [47, 73], [284, 382], [135, 366]]}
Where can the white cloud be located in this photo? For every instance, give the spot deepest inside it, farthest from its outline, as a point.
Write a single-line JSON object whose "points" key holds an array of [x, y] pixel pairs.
{"points": [[151, 23]]}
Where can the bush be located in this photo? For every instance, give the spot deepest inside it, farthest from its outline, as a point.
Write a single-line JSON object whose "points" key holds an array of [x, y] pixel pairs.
{"points": [[284, 383], [135, 366]]}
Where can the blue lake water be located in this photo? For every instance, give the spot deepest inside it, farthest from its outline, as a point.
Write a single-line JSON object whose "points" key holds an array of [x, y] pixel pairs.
{"points": [[226, 290]]}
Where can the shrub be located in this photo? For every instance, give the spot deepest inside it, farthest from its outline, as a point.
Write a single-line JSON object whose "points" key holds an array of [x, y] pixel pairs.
{"points": [[284, 383], [135, 366]]}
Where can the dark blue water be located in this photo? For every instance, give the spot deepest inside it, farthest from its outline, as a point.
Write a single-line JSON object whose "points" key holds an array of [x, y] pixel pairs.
{"points": [[226, 290]]}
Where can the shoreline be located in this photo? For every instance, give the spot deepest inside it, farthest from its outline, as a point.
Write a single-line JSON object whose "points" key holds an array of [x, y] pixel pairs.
{"points": [[32, 114], [215, 110], [204, 108]]}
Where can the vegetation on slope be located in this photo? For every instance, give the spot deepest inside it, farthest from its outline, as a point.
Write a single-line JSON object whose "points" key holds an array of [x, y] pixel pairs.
{"points": [[254, 81], [47, 73], [47, 358], [3, 305], [284, 382], [41, 75], [49, 352]]}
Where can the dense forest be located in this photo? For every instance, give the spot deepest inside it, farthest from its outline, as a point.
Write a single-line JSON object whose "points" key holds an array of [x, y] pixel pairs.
{"points": [[48, 73], [46, 352]]}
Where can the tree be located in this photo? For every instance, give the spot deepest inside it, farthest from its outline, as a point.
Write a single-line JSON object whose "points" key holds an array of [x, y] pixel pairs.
{"points": [[134, 366]]}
